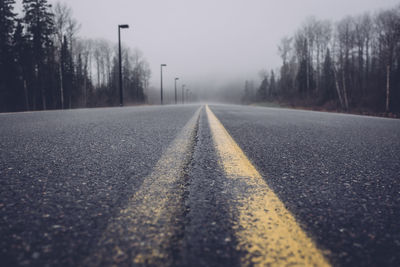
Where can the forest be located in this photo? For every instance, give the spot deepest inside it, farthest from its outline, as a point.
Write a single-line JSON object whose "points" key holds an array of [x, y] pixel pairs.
{"points": [[349, 65], [44, 64]]}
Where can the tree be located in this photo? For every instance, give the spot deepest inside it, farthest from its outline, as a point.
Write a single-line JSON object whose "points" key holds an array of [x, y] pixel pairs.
{"points": [[7, 74], [44, 65], [136, 73], [146, 75], [304, 76], [388, 23], [61, 14], [345, 36], [272, 85], [288, 67], [323, 33], [308, 34], [24, 68], [248, 95], [67, 70], [328, 78], [40, 27], [84, 51], [263, 89]]}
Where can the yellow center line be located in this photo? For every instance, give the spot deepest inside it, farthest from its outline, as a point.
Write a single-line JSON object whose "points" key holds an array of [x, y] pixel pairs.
{"points": [[142, 232], [267, 233]]}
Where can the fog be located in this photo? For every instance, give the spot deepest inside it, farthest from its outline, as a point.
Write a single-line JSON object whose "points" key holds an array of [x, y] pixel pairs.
{"points": [[208, 44]]}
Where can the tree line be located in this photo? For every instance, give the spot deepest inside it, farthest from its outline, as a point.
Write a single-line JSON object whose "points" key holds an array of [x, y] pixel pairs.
{"points": [[352, 64], [44, 64]]}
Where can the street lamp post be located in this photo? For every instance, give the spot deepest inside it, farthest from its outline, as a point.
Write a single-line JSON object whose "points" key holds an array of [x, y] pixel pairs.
{"points": [[121, 96], [162, 65], [183, 92], [176, 93], [187, 96]]}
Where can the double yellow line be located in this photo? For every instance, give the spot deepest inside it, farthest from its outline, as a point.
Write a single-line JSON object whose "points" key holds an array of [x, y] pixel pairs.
{"points": [[267, 233]]}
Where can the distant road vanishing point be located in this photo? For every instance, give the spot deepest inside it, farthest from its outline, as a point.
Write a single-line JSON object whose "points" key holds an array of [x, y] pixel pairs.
{"points": [[198, 185]]}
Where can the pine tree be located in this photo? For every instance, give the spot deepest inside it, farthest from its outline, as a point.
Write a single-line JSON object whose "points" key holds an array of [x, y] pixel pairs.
{"points": [[23, 66], [114, 81], [7, 75], [302, 77], [40, 27], [328, 80], [272, 84], [263, 90]]}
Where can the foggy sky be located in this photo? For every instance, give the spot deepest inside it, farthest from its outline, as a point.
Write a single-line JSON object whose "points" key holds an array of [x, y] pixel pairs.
{"points": [[208, 42]]}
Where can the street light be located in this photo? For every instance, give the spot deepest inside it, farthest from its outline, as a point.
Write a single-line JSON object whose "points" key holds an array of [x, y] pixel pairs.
{"points": [[176, 93], [121, 97], [162, 65], [187, 96], [183, 92]]}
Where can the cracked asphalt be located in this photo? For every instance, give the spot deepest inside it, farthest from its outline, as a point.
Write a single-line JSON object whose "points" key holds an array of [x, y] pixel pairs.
{"points": [[64, 176]]}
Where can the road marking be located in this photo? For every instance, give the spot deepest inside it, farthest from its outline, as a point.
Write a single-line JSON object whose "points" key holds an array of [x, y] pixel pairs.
{"points": [[267, 233], [142, 232]]}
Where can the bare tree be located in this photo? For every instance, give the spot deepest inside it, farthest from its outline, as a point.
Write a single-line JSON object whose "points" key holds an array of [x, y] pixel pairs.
{"points": [[345, 35], [289, 67], [388, 24], [364, 52], [62, 14], [285, 48], [323, 33]]}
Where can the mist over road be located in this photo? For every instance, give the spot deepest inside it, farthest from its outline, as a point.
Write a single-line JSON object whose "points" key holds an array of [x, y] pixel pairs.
{"points": [[167, 185]]}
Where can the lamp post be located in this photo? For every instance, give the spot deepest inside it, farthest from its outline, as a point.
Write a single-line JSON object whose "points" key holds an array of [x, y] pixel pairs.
{"points": [[187, 96], [183, 92], [162, 65], [121, 96], [176, 93]]}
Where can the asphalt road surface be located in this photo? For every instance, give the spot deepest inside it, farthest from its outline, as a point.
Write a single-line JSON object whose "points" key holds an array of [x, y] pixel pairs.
{"points": [[197, 185]]}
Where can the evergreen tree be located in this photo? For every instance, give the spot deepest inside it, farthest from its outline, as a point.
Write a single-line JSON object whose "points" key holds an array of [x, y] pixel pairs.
{"points": [[34, 71], [248, 96], [7, 74], [7, 19], [128, 78], [23, 67], [328, 80], [286, 79], [272, 85], [114, 82], [263, 90], [39, 22], [302, 77]]}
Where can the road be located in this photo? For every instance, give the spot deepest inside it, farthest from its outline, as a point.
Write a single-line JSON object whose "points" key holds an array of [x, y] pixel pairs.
{"points": [[198, 185]]}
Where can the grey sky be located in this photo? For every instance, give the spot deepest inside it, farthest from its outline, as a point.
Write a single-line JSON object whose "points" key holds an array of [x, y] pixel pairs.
{"points": [[208, 41]]}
